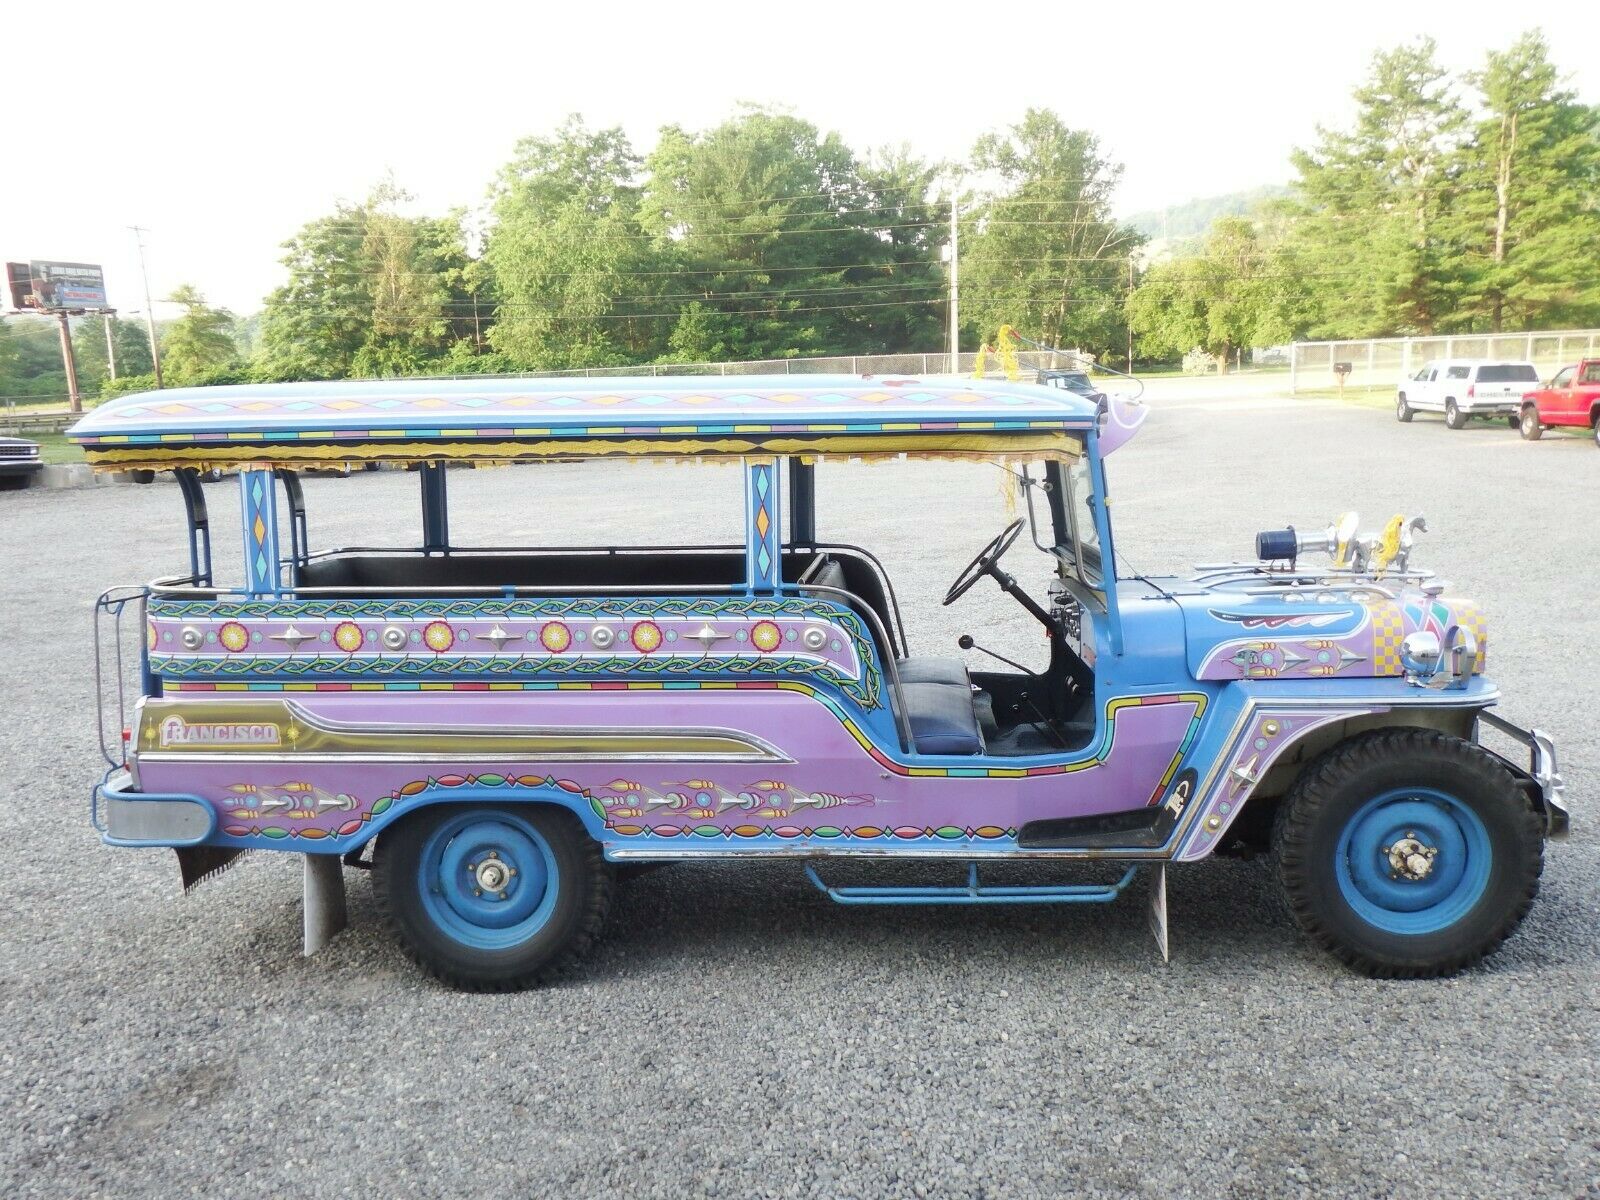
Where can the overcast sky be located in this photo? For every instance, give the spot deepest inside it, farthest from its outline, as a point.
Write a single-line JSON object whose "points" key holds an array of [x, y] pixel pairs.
{"points": [[224, 126]]}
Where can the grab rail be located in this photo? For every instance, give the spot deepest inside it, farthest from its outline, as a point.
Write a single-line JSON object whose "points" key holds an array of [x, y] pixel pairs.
{"points": [[113, 603]]}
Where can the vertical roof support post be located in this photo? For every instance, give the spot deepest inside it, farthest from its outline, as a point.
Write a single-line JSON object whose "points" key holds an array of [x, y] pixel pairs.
{"points": [[763, 525], [802, 502], [258, 505], [435, 509], [194, 503]]}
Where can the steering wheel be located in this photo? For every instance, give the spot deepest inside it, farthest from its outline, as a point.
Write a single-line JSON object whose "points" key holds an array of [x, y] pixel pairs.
{"points": [[984, 564]]}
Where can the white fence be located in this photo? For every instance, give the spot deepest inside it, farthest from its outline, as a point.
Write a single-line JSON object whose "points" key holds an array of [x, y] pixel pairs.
{"points": [[1028, 361], [1385, 361]]}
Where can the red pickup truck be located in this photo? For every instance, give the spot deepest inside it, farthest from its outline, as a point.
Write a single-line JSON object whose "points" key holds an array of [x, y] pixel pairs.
{"points": [[1573, 398]]}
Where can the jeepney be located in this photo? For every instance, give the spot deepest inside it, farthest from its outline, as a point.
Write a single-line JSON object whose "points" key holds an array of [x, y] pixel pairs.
{"points": [[497, 732]]}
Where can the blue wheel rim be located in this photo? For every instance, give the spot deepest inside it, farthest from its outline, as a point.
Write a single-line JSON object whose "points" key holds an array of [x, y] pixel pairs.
{"points": [[462, 862], [1455, 861]]}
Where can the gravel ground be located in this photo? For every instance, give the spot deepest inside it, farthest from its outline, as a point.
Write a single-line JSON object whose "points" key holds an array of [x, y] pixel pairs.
{"points": [[737, 1035]]}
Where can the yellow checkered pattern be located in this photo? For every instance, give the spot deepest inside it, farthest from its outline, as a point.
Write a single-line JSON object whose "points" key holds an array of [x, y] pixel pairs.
{"points": [[1469, 617], [1388, 630]]}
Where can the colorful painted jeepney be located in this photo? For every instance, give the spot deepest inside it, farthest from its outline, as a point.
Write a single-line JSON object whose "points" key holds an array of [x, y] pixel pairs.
{"points": [[496, 732]]}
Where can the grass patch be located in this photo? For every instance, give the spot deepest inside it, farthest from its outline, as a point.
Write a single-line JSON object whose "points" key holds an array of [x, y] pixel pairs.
{"points": [[54, 448]]}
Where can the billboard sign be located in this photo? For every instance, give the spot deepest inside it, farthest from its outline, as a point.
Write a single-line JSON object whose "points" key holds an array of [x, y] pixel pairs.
{"points": [[55, 286]]}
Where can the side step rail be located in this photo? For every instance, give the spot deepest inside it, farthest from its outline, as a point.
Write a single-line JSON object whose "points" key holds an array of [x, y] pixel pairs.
{"points": [[975, 892]]}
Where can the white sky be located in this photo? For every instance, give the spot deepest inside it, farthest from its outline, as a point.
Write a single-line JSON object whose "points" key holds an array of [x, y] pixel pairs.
{"points": [[222, 126]]}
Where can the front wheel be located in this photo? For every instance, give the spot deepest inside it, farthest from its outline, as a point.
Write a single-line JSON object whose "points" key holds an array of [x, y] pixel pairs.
{"points": [[1531, 428], [491, 897], [1454, 418], [1408, 853], [1402, 410]]}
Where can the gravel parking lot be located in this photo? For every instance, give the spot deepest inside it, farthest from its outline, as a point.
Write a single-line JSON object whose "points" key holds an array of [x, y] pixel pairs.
{"points": [[736, 1034]]}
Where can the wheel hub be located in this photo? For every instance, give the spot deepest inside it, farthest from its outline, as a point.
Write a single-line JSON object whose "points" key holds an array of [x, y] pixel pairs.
{"points": [[1409, 858], [492, 875]]}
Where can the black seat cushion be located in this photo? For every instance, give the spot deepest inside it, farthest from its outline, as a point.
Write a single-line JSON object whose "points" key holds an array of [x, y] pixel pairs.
{"points": [[949, 671], [942, 718]]}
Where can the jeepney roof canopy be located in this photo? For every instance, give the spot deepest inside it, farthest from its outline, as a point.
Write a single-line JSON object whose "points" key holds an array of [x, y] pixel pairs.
{"points": [[515, 419]]}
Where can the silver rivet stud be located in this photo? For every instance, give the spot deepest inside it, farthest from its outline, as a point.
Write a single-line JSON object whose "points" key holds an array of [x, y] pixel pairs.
{"points": [[1213, 823], [192, 637], [814, 639], [602, 636], [394, 638]]}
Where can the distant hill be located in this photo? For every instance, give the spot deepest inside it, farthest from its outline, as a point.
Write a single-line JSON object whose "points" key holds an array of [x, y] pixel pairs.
{"points": [[1193, 218]]}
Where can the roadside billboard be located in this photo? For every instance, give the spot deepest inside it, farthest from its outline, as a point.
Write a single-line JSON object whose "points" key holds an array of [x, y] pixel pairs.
{"points": [[54, 286]]}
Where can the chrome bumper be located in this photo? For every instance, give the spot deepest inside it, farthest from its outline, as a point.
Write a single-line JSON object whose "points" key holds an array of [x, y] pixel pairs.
{"points": [[1541, 772], [125, 817]]}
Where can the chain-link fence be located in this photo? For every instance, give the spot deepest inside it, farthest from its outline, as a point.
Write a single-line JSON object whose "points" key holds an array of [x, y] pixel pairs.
{"points": [[1383, 362]]}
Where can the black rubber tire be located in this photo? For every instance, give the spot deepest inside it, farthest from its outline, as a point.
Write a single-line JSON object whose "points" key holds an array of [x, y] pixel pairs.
{"points": [[1529, 425], [580, 912], [1453, 417], [1402, 410], [1333, 787], [1514, 422], [1594, 428]]}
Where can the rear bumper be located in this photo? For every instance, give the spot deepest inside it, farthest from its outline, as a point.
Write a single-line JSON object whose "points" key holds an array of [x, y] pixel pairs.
{"points": [[1549, 789], [127, 817], [1509, 407]]}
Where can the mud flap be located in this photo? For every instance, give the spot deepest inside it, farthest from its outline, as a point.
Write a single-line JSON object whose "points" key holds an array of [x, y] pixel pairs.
{"points": [[200, 864], [1158, 909], [325, 912]]}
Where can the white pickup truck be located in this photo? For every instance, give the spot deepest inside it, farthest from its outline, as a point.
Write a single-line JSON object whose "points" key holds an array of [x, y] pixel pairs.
{"points": [[1465, 387]]}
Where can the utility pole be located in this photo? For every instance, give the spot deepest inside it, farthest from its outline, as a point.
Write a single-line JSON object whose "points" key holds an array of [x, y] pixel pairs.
{"points": [[1130, 323], [149, 312], [111, 348], [955, 289], [69, 362]]}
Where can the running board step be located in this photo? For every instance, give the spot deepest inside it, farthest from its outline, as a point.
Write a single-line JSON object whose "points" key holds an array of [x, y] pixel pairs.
{"points": [[976, 893]]}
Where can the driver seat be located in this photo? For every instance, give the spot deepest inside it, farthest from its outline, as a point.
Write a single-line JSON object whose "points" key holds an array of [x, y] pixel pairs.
{"points": [[937, 694]]}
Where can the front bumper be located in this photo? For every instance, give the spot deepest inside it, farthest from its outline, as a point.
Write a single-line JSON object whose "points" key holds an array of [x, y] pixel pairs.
{"points": [[1549, 789], [127, 817]]}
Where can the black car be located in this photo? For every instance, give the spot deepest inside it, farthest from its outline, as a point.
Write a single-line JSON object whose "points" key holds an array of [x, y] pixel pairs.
{"points": [[19, 459], [1072, 381]]}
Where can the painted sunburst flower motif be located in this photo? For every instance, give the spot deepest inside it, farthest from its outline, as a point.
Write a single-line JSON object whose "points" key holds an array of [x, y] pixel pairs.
{"points": [[646, 637], [555, 637], [347, 636], [234, 637], [150, 634], [438, 636], [766, 636]]}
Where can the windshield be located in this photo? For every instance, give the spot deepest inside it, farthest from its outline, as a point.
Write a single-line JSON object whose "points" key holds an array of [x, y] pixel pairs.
{"points": [[1085, 535]]}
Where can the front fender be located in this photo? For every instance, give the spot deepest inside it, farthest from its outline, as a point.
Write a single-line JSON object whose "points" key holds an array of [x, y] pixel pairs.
{"points": [[1276, 726]]}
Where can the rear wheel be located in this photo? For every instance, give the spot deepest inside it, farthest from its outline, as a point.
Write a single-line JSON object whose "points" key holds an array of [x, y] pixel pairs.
{"points": [[1594, 427], [1454, 418], [489, 897], [1402, 410], [1531, 428], [1408, 853]]}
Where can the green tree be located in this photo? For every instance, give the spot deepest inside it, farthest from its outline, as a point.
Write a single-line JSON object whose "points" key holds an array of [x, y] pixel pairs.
{"points": [[314, 325], [1236, 292], [564, 250], [198, 343], [773, 226], [128, 339], [371, 291], [1526, 215], [1040, 249], [1371, 202]]}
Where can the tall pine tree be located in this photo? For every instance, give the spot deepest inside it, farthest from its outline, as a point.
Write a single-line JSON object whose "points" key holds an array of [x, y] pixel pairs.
{"points": [[1526, 218], [1372, 202]]}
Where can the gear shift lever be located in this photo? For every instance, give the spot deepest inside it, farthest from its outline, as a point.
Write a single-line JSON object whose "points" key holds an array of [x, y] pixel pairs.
{"points": [[966, 643]]}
